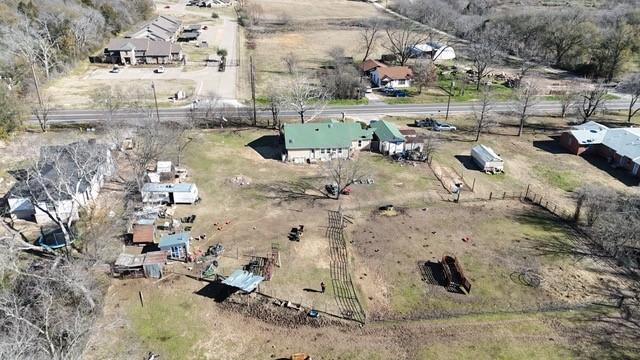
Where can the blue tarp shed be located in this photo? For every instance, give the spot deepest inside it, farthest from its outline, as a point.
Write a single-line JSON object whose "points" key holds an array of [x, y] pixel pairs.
{"points": [[177, 245], [243, 280]]}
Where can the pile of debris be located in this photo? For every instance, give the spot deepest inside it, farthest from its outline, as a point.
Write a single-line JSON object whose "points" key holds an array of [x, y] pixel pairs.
{"points": [[410, 155], [240, 180]]}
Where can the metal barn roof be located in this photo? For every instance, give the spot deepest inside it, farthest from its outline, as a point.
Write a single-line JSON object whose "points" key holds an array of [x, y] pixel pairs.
{"points": [[243, 280]]}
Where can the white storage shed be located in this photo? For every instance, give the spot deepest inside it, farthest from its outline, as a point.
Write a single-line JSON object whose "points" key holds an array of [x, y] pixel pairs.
{"points": [[487, 159]]}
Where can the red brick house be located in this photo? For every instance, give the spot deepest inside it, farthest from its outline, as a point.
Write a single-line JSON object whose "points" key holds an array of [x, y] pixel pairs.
{"points": [[621, 146]]}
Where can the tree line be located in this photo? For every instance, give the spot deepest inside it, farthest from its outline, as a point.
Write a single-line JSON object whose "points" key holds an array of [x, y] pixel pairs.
{"points": [[598, 43], [47, 37]]}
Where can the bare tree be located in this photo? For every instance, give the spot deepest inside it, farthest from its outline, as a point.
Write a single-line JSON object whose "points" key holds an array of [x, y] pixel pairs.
{"points": [[47, 307], [631, 86], [431, 145], [482, 111], [424, 74], [566, 31], [303, 96], [402, 40], [568, 97], [526, 97], [61, 181], [369, 36], [592, 100], [152, 141], [291, 62], [343, 173], [182, 135], [615, 48], [275, 104], [110, 98], [483, 51], [41, 110]]}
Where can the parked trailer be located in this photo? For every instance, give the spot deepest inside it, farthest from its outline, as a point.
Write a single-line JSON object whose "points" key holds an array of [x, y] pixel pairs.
{"points": [[487, 159]]}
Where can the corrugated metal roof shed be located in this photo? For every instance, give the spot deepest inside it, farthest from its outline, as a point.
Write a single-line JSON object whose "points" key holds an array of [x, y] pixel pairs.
{"points": [[174, 239], [143, 233], [157, 187], [155, 257], [243, 280], [130, 260], [386, 131]]}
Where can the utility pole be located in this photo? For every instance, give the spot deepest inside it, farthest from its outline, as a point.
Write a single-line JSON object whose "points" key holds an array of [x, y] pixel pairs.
{"points": [[253, 89], [155, 98], [450, 93]]}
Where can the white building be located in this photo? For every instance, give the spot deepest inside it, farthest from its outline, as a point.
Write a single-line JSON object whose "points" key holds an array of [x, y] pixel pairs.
{"points": [[436, 51], [70, 178], [393, 76], [157, 193], [314, 142]]}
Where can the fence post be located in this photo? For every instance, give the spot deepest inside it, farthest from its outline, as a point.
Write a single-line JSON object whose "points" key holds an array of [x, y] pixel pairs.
{"points": [[490, 195], [504, 195], [526, 195], [473, 186]]}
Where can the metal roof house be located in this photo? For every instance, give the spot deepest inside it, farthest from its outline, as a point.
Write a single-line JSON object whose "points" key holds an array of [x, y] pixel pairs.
{"points": [[176, 246], [387, 139], [82, 166], [620, 146], [160, 193], [312, 142]]}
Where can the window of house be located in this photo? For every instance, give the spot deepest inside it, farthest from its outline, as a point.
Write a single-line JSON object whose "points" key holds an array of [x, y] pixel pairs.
{"points": [[339, 151], [359, 143], [401, 82]]}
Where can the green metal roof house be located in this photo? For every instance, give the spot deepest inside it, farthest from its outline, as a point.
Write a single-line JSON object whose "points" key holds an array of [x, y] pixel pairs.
{"points": [[312, 142], [387, 139]]}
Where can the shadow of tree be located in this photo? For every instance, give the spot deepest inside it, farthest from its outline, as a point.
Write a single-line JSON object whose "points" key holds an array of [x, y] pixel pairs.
{"points": [[307, 188]]}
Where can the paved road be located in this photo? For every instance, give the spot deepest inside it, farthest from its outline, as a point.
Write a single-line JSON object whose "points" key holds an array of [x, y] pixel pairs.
{"points": [[359, 111]]}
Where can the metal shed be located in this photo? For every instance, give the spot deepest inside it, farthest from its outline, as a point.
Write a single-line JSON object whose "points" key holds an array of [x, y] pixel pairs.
{"points": [[487, 159]]}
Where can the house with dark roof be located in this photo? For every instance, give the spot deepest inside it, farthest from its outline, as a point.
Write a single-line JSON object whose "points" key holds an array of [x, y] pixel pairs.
{"points": [[125, 51], [370, 65], [392, 76], [312, 142], [162, 28], [65, 179], [620, 146]]}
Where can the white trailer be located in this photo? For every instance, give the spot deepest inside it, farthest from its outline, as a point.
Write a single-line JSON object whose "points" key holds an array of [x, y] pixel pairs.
{"points": [[487, 159]]}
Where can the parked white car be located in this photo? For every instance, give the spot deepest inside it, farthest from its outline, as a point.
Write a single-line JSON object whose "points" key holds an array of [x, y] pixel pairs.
{"points": [[159, 70], [444, 127]]}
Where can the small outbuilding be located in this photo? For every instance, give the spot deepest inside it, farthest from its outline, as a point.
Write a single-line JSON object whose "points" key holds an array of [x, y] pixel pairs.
{"points": [[487, 159], [150, 265], [158, 193], [387, 139], [176, 246], [142, 233]]}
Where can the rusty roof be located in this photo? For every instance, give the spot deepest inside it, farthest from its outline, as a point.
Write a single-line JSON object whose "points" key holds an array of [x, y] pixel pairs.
{"points": [[143, 233], [395, 72], [155, 257], [371, 64]]}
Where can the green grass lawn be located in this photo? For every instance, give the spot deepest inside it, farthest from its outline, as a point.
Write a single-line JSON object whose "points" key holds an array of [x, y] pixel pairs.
{"points": [[169, 325], [566, 180], [435, 95]]}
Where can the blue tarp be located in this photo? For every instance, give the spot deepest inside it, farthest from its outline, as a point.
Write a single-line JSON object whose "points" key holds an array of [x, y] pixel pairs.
{"points": [[243, 280]]}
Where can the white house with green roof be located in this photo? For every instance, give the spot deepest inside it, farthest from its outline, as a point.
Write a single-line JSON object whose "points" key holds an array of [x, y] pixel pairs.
{"points": [[387, 139], [312, 142]]}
